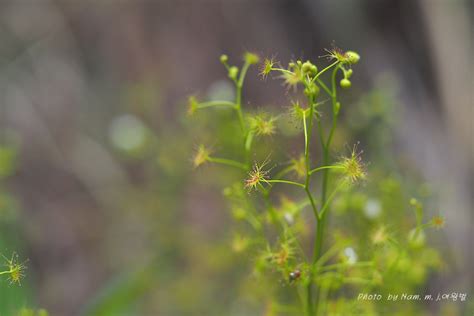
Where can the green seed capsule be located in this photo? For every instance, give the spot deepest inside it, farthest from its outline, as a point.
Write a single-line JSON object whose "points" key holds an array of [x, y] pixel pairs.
{"points": [[345, 83], [306, 67], [251, 58], [352, 57], [233, 72], [224, 58]]}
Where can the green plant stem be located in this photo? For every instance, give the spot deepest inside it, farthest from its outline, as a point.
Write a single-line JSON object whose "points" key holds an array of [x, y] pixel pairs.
{"points": [[323, 85], [248, 147], [238, 108], [287, 182], [283, 71], [208, 104], [307, 141], [321, 133], [325, 167], [330, 198], [284, 171], [248, 135], [324, 70], [318, 245], [322, 297], [228, 162], [310, 307], [307, 133], [329, 254]]}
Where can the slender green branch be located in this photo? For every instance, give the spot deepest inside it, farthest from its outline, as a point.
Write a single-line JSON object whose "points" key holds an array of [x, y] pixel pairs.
{"points": [[329, 254], [308, 133], [228, 162], [325, 167], [331, 197], [248, 146], [326, 147], [222, 103], [322, 297], [325, 87], [324, 70], [334, 102], [287, 182], [306, 144], [283, 172], [307, 138], [283, 70], [321, 134], [243, 72], [238, 108], [280, 174]]}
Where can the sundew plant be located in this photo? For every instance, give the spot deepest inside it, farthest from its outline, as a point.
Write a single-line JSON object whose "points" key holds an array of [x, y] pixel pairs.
{"points": [[313, 271]]}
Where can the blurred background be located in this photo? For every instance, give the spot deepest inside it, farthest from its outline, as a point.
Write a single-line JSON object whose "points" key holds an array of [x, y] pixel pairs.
{"points": [[96, 186]]}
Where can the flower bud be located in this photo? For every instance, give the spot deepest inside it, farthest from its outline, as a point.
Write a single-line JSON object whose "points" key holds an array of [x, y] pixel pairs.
{"points": [[348, 73], [352, 57], [306, 67], [345, 83], [233, 72], [309, 68], [224, 58], [251, 58]]}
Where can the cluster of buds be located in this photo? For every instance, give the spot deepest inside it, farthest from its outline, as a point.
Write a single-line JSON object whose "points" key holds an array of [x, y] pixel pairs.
{"points": [[233, 71], [346, 60]]}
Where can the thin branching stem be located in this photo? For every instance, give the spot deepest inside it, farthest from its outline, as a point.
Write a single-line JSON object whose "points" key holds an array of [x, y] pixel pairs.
{"points": [[287, 182], [326, 148], [308, 133], [324, 86], [324, 70], [228, 162], [222, 103], [325, 167]]}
